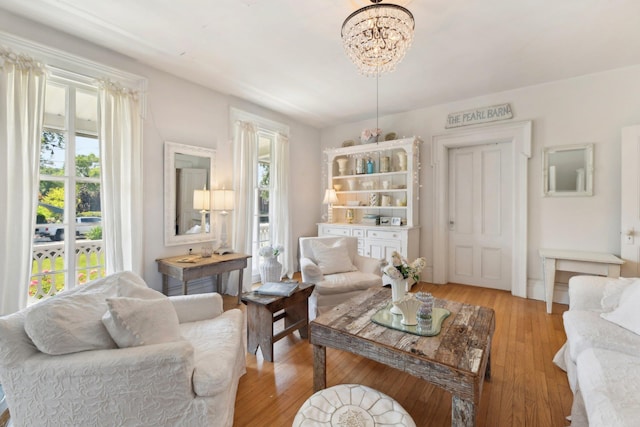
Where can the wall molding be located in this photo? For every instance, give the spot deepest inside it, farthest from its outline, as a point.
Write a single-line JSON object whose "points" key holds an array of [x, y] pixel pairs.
{"points": [[518, 135]]}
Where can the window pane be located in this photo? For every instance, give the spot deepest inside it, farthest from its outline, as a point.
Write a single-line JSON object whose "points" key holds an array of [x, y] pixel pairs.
{"points": [[86, 112], [55, 106], [87, 157], [88, 200], [52, 152], [50, 202], [263, 205]]}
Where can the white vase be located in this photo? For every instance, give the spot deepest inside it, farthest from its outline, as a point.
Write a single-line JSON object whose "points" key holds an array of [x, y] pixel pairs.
{"points": [[270, 270], [398, 291], [408, 306]]}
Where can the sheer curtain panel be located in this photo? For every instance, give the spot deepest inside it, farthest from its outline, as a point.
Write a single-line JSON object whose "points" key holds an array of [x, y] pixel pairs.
{"points": [[121, 147], [279, 215], [245, 141], [22, 93]]}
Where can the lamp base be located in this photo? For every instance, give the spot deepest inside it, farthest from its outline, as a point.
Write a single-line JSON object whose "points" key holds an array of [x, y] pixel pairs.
{"points": [[223, 250]]}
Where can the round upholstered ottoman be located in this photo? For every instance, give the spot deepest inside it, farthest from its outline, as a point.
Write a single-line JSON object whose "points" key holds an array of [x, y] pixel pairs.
{"points": [[351, 405]]}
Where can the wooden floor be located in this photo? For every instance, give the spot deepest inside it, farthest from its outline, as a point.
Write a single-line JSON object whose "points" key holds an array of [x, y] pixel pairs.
{"points": [[526, 388]]}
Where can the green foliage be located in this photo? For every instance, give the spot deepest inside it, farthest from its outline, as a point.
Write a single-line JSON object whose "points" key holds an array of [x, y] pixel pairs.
{"points": [[88, 165], [55, 197], [264, 171], [95, 233], [50, 141], [43, 215]]}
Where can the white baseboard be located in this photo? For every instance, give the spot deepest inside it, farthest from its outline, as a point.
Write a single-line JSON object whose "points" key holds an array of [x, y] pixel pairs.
{"points": [[535, 290]]}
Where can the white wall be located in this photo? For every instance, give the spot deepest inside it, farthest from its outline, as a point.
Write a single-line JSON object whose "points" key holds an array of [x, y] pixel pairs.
{"points": [[587, 109], [187, 113]]}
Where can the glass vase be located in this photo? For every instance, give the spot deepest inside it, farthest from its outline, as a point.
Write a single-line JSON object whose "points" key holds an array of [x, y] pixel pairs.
{"points": [[270, 270]]}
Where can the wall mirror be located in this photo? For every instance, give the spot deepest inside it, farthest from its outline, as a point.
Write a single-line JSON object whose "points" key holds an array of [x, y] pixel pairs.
{"points": [[568, 171], [187, 200]]}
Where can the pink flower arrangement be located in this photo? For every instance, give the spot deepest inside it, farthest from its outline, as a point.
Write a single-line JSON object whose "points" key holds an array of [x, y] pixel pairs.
{"points": [[367, 134]]}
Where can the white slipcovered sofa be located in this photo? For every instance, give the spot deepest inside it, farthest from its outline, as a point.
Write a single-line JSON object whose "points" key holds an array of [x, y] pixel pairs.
{"points": [[338, 271], [116, 352], [602, 352]]}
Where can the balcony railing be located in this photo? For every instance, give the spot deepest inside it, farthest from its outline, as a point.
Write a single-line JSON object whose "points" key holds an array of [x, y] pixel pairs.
{"points": [[48, 274]]}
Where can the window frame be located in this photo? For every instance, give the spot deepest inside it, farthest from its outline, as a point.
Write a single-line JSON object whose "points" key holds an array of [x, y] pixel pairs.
{"points": [[70, 178]]}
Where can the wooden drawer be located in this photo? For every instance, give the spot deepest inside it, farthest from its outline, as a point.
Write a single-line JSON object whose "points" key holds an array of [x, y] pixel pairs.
{"points": [[357, 232], [383, 234], [336, 231]]}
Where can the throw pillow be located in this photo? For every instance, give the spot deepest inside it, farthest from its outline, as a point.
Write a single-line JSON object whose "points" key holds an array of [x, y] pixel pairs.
{"points": [[332, 258], [68, 323], [72, 320], [612, 291], [627, 314], [134, 322]]}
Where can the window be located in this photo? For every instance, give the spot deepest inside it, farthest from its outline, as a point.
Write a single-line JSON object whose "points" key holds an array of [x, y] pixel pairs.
{"points": [[262, 234], [68, 248]]}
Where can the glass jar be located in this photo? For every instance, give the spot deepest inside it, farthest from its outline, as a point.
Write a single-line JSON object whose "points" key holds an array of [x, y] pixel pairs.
{"points": [[384, 164]]}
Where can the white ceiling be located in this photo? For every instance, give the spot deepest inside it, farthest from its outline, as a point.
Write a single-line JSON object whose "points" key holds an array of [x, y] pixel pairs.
{"points": [[286, 55]]}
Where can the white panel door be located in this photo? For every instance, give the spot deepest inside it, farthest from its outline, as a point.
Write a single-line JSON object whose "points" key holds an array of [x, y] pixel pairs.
{"points": [[630, 201], [480, 224]]}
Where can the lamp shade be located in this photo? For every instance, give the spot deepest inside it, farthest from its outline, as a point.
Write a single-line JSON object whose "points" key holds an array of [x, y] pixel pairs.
{"points": [[201, 200], [223, 200], [330, 196]]}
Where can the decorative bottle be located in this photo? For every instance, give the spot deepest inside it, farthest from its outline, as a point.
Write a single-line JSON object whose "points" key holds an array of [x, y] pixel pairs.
{"points": [[370, 166]]}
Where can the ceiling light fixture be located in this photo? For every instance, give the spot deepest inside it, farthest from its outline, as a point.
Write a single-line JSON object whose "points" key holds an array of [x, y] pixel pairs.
{"points": [[376, 37]]}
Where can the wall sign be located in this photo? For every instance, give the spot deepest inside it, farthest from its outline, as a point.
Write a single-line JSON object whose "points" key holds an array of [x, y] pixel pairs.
{"points": [[479, 115]]}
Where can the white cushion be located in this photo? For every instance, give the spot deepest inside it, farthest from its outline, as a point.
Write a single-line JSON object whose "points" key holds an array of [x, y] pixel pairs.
{"points": [[69, 323], [332, 258], [133, 322], [586, 329], [608, 382], [347, 282], [72, 320], [612, 291], [627, 314]]}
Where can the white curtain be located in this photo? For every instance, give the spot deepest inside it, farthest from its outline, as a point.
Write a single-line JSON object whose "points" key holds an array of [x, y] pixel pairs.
{"points": [[279, 212], [22, 93], [245, 147], [121, 146]]}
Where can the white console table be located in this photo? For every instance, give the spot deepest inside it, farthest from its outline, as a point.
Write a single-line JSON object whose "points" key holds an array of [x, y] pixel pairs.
{"points": [[596, 263]]}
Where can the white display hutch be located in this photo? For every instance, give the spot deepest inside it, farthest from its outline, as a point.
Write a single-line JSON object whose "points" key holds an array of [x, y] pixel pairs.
{"points": [[396, 185]]}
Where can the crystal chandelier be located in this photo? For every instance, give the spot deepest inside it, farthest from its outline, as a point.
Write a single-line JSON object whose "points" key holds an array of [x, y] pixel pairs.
{"points": [[377, 37]]}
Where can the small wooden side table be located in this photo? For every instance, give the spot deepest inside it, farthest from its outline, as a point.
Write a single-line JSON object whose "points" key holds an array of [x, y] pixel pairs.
{"points": [[596, 263], [265, 310], [197, 267]]}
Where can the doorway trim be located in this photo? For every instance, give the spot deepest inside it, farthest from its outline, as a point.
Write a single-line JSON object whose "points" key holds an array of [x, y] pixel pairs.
{"points": [[518, 135]]}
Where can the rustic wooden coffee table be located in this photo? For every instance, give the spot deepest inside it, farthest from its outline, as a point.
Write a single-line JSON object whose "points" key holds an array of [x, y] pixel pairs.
{"points": [[457, 360]]}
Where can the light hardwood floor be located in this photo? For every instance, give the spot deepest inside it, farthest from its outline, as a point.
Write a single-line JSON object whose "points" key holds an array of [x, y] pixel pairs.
{"points": [[526, 388]]}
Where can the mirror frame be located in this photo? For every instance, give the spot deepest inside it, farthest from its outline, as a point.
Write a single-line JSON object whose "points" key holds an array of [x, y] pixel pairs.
{"points": [[170, 151], [588, 168]]}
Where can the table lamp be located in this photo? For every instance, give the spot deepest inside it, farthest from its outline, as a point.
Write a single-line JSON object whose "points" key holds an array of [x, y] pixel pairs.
{"points": [[330, 197], [223, 201], [202, 203]]}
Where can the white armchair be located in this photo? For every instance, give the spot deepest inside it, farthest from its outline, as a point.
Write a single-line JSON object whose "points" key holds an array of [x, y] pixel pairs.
{"points": [[338, 271], [188, 381]]}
